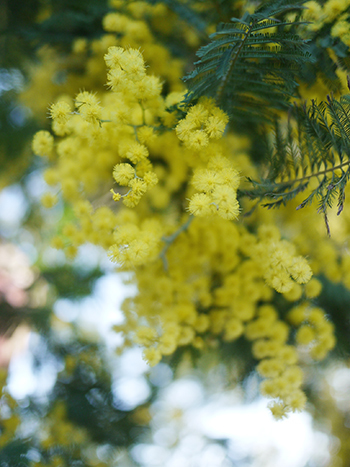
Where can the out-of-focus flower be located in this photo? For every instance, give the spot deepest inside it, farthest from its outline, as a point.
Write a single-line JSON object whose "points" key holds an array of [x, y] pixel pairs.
{"points": [[16, 277]]}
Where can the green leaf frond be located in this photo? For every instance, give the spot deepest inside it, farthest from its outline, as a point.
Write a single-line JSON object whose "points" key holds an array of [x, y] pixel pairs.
{"points": [[311, 151], [248, 69]]}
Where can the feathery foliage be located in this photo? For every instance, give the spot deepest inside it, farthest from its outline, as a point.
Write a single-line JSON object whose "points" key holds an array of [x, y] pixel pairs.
{"points": [[313, 153], [251, 64]]}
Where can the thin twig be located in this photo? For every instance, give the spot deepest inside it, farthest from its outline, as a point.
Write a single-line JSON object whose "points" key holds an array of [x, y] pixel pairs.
{"points": [[169, 240]]}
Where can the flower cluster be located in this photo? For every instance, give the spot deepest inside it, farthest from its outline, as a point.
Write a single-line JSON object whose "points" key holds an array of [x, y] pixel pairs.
{"points": [[186, 307], [127, 77], [42, 144], [283, 378], [203, 278], [279, 261], [332, 10], [218, 185], [203, 122], [136, 245], [315, 332]]}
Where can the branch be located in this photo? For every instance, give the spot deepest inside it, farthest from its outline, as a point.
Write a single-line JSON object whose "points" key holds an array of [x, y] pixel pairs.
{"points": [[170, 240]]}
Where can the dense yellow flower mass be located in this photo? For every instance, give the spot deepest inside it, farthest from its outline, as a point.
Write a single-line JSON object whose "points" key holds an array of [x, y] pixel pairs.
{"points": [[155, 184], [319, 15]]}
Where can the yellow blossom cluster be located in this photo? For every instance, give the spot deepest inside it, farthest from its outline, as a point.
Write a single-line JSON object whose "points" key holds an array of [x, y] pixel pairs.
{"points": [[64, 75], [278, 360], [314, 332], [43, 143], [283, 378], [218, 185], [330, 11], [136, 245], [127, 77], [341, 30], [326, 256], [203, 122], [182, 306], [332, 14], [186, 307], [280, 263], [202, 276]]}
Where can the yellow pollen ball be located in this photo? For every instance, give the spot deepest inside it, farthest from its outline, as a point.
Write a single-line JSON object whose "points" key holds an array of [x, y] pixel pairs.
{"points": [[42, 144]]}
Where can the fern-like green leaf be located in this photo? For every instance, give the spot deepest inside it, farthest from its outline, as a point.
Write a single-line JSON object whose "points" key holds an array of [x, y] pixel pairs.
{"points": [[313, 147], [249, 70]]}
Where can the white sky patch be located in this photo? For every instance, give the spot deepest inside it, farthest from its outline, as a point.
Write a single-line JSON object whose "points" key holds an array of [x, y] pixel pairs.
{"points": [[101, 311], [36, 184], [13, 208], [183, 416], [10, 79], [96, 314], [132, 364], [130, 392], [252, 430], [23, 381]]}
